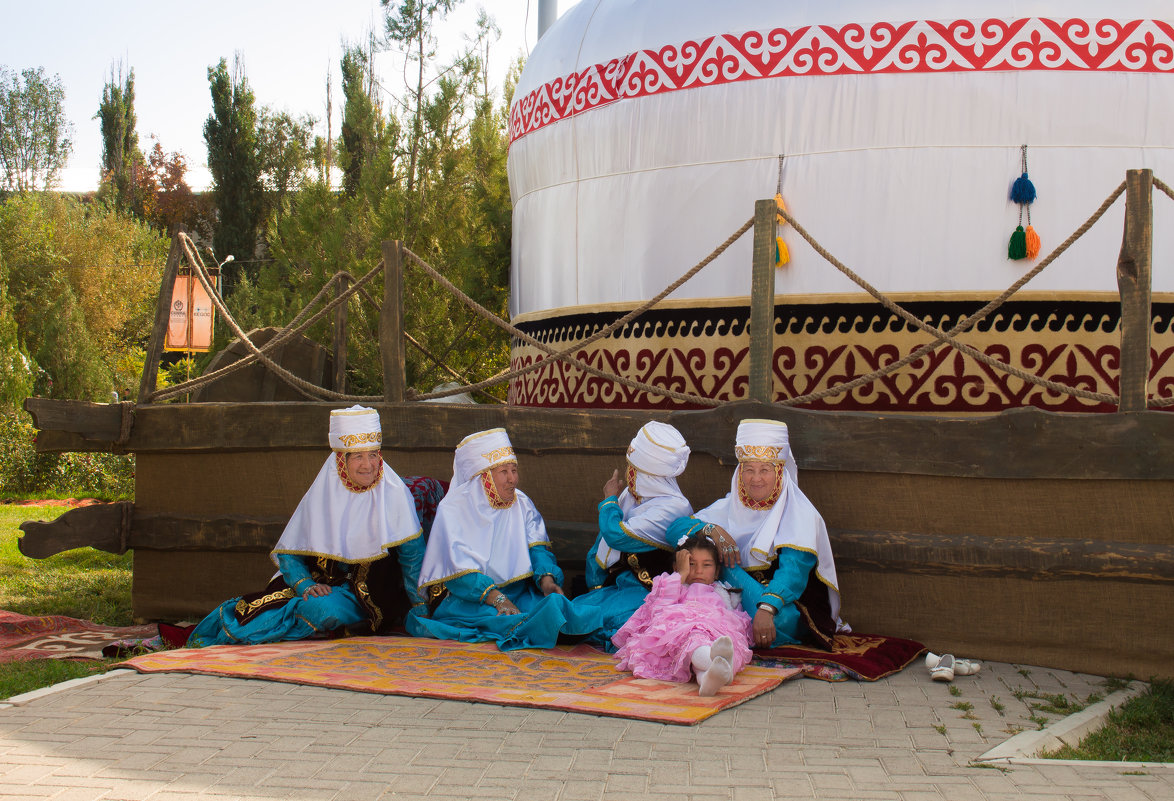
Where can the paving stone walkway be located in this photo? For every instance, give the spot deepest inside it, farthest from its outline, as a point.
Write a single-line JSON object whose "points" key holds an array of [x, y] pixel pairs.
{"points": [[177, 737]]}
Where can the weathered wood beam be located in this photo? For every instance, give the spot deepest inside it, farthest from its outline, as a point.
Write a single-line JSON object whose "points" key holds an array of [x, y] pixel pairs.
{"points": [[762, 303], [391, 324], [1134, 283], [162, 317], [118, 527], [1025, 443], [1037, 558], [340, 338]]}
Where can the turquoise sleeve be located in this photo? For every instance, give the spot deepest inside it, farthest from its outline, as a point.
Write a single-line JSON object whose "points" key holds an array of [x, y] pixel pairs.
{"points": [[544, 564], [295, 571]]}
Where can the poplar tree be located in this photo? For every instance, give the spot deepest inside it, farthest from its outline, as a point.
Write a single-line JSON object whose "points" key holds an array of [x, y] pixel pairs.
{"points": [[121, 158], [231, 135]]}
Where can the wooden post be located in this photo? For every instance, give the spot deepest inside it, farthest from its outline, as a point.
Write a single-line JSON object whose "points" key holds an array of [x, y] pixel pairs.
{"points": [[391, 324], [340, 320], [1134, 283], [162, 317], [762, 303]]}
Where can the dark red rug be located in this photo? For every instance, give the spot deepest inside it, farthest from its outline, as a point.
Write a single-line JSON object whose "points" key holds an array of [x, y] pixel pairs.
{"points": [[864, 657], [59, 637]]}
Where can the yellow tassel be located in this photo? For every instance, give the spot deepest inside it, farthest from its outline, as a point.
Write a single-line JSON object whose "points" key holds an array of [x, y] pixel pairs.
{"points": [[1033, 243], [779, 203], [782, 253]]}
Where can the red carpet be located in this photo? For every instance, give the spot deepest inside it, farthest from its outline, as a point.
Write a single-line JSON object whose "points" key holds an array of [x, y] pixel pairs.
{"points": [[58, 637], [864, 657], [570, 678]]}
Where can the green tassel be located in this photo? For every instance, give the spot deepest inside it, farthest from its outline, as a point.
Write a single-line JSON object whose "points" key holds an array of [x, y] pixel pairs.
{"points": [[1017, 247]]}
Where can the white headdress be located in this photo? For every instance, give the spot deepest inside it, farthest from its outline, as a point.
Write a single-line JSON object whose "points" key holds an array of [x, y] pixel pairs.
{"points": [[658, 454], [792, 521], [355, 429], [469, 534], [339, 520]]}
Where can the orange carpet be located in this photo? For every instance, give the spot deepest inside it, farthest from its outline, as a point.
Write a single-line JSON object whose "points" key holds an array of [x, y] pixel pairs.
{"points": [[570, 678]]}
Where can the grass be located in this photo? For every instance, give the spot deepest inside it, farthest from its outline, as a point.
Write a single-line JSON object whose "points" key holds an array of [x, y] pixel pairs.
{"points": [[83, 583], [1140, 730]]}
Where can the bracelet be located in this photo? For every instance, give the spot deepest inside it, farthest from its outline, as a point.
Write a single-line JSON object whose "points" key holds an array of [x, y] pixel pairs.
{"points": [[765, 607], [708, 527], [500, 599]]}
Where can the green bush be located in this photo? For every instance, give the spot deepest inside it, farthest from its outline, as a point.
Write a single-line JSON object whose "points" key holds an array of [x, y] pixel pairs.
{"points": [[26, 473]]}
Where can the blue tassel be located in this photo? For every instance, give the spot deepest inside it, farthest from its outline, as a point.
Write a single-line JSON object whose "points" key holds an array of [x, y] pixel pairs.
{"points": [[1023, 190]]}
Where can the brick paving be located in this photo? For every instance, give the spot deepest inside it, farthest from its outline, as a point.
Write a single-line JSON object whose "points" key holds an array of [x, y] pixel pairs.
{"points": [[179, 737]]}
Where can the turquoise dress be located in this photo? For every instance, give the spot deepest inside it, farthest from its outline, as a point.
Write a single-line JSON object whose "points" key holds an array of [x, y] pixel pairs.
{"points": [[283, 614], [464, 616], [789, 576], [618, 601]]}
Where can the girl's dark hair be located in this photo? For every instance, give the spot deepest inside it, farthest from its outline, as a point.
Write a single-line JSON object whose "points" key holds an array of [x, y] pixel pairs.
{"points": [[700, 543]]}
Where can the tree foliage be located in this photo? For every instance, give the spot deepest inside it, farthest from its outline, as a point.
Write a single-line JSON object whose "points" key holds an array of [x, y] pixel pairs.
{"points": [[451, 206], [34, 133], [233, 159], [81, 283], [121, 159], [285, 151]]}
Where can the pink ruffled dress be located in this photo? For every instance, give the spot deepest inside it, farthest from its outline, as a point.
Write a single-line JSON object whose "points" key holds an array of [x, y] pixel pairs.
{"points": [[658, 640]]}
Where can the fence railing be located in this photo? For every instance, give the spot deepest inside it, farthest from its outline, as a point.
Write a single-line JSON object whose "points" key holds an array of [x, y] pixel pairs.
{"points": [[1134, 278]]}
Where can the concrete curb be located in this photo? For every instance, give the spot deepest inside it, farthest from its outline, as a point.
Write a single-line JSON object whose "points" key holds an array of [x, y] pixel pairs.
{"points": [[1025, 748], [32, 695]]}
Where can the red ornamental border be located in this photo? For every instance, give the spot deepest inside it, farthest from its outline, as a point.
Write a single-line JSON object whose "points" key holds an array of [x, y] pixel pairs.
{"points": [[924, 46]]}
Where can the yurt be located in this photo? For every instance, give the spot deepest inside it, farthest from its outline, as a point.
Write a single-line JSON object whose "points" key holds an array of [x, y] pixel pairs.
{"points": [[912, 140]]}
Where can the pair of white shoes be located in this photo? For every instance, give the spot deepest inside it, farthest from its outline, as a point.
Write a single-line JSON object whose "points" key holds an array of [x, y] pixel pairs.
{"points": [[946, 666], [711, 665]]}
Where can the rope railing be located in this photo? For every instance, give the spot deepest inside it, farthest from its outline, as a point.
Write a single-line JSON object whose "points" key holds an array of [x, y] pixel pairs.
{"points": [[296, 326], [567, 354], [948, 337]]}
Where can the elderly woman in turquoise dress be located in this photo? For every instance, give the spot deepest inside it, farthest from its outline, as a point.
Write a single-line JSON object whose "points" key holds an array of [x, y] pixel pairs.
{"points": [[348, 560], [631, 549], [773, 543], [488, 569]]}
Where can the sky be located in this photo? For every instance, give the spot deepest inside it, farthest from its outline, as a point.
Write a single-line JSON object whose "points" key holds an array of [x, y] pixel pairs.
{"points": [[288, 47]]}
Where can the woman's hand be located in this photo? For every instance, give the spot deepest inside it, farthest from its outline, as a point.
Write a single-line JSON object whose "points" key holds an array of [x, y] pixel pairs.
{"points": [[614, 485], [502, 604], [548, 585], [316, 591], [764, 628], [727, 548], [681, 564]]}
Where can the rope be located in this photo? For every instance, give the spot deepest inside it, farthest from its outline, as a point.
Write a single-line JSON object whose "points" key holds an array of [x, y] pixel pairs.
{"points": [[963, 325], [567, 353], [303, 387]]}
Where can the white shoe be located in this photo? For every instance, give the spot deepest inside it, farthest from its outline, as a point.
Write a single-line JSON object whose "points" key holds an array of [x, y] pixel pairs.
{"points": [[723, 647], [944, 669], [966, 667], [962, 667], [720, 674]]}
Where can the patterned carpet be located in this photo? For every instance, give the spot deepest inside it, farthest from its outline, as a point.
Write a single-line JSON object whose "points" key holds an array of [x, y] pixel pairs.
{"points": [[570, 678], [58, 637]]}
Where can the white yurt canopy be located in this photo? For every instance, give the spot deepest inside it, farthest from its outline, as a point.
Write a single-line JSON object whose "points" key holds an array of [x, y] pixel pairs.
{"points": [[643, 131]]}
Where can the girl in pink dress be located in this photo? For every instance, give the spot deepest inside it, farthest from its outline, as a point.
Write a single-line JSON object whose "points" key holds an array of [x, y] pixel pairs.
{"points": [[688, 625]]}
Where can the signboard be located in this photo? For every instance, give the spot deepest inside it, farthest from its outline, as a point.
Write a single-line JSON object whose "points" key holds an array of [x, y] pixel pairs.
{"points": [[189, 327]]}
